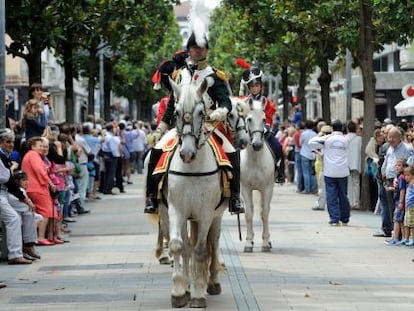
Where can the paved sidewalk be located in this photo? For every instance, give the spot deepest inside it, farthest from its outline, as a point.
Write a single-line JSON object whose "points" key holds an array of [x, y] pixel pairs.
{"points": [[110, 265]]}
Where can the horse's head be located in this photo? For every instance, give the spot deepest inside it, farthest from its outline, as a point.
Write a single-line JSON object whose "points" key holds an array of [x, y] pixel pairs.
{"points": [[255, 123], [236, 122], [190, 112]]}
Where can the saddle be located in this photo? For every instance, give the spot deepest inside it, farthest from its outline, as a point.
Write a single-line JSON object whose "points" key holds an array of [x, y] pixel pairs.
{"points": [[223, 163]]}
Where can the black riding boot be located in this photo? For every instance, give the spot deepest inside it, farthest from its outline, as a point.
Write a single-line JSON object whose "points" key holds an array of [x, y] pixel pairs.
{"points": [[279, 157], [151, 203], [235, 204], [280, 169]]}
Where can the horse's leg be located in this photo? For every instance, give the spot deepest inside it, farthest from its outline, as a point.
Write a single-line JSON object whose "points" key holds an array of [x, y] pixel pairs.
{"points": [[265, 210], [214, 287], [248, 201], [200, 265], [179, 297], [186, 256], [163, 256]]}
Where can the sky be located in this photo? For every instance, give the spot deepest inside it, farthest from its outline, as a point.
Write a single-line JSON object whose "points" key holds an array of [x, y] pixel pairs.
{"points": [[210, 3]]}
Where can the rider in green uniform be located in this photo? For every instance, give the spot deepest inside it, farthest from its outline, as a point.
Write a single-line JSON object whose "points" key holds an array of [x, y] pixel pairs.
{"points": [[221, 105]]}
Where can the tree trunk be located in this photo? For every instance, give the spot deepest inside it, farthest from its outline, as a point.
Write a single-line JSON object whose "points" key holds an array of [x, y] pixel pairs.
{"points": [[107, 88], [92, 74], [365, 55], [303, 67], [68, 64], [325, 82], [34, 63], [285, 92]]}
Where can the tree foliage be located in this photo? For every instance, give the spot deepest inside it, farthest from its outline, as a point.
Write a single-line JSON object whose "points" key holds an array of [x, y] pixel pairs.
{"points": [[133, 29]]}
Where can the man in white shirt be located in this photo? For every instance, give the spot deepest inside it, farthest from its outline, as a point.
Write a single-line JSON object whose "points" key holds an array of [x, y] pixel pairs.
{"points": [[335, 172], [354, 163]]}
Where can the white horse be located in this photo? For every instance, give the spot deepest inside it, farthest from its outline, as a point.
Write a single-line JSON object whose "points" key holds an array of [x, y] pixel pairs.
{"points": [[194, 192], [256, 173], [237, 129]]}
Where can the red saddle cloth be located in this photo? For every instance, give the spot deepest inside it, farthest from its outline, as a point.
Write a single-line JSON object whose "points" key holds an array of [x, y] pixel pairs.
{"points": [[169, 148]]}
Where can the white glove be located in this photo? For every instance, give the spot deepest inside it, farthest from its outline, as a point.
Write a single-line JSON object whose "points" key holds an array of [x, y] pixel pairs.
{"points": [[219, 114]]}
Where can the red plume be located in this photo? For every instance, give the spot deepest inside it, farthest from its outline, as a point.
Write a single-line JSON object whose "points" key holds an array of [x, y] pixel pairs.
{"points": [[156, 79], [242, 63]]}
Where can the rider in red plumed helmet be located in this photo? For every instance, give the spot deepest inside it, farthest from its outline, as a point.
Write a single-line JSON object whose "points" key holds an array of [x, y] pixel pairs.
{"points": [[252, 82]]}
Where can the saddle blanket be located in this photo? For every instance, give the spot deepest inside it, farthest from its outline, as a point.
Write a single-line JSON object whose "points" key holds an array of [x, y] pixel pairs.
{"points": [[169, 148]]}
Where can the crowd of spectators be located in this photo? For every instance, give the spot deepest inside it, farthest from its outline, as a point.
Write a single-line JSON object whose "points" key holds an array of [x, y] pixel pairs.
{"points": [[49, 172], [388, 165]]}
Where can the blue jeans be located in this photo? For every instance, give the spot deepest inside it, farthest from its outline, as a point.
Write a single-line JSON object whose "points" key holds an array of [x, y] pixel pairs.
{"points": [[337, 199], [309, 180], [386, 216], [299, 173]]}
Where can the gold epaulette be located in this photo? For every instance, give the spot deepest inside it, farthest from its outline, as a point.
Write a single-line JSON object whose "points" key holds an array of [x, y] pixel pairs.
{"points": [[176, 74], [221, 74]]}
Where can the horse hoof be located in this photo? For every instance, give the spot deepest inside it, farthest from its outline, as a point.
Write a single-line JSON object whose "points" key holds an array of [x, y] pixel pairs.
{"points": [[214, 289], [266, 249], [164, 261], [248, 249], [179, 301], [198, 303]]}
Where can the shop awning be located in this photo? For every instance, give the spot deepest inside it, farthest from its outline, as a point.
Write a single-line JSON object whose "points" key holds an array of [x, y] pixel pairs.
{"points": [[405, 107]]}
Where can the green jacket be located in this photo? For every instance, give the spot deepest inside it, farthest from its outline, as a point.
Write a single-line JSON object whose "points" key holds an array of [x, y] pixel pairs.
{"points": [[218, 93]]}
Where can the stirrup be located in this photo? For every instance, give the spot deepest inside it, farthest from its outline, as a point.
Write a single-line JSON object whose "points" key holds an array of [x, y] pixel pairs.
{"points": [[151, 206], [236, 206]]}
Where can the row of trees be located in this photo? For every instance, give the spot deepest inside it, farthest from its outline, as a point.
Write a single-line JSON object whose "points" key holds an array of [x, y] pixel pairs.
{"points": [[138, 34], [297, 35]]}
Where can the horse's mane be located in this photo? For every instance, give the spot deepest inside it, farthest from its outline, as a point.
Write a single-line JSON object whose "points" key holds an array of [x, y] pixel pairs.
{"points": [[188, 92]]}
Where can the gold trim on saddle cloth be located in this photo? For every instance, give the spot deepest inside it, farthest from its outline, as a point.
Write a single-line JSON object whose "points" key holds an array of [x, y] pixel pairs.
{"points": [[221, 159], [164, 161]]}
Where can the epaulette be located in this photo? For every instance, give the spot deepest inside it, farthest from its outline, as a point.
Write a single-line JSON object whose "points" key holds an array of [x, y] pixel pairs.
{"points": [[176, 74], [221, 74]]}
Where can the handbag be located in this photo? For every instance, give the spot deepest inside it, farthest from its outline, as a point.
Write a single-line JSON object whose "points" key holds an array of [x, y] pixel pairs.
{"points": [[371, 168]]}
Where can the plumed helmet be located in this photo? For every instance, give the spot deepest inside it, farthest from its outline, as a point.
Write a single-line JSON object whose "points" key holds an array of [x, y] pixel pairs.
{"points": [[166, 69], [192, 41], [252, 75]]}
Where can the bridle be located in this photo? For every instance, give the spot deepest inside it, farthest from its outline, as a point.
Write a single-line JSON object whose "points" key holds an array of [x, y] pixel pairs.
{"points": [[240, 123], [188, 128]]}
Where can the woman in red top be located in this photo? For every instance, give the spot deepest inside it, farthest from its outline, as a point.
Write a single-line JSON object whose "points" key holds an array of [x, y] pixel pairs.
{"points": [[39, 187]]}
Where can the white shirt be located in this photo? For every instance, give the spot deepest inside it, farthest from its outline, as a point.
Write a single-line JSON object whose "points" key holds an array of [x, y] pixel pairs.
{"points": [[354, 151], [306, 150], [335, 154], [85, 149]]}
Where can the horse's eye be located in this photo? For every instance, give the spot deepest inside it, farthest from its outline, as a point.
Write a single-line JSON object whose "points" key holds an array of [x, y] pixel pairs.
{"points": [[230, 116]]}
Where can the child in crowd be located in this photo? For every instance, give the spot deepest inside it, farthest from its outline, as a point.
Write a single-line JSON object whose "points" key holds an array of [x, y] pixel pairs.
{"points": [[399, 189], [409, 205]]}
